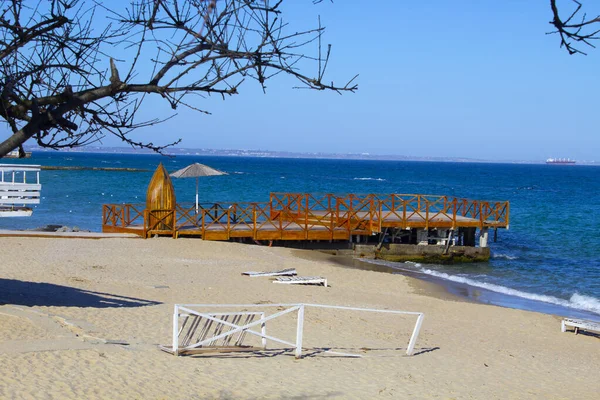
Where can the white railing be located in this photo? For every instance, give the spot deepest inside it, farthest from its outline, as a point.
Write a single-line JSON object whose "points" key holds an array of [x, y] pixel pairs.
{"points": [[242, 322], [19, 184]]}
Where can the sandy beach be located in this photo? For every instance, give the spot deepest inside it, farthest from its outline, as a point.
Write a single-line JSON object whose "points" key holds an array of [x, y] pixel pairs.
{"points": [[83, 318]]}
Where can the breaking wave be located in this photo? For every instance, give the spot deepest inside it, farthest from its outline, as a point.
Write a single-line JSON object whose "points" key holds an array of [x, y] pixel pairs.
{"points": [[577, 301], [504, 256], [370, 179]]}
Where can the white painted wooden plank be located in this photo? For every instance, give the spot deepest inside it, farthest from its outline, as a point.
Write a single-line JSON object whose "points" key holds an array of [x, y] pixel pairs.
{"points": [[17, 192], [361, 309], [302, 280], [17, 189], [580, 323], [263, 331], [22, 193], [19, 167], [231, 313], [198, 313], [289, 271], [176, 330], [16, 200], [298, 304], [17, 212], [20, 186], [414, 336], [299, 328], [187, 306]]}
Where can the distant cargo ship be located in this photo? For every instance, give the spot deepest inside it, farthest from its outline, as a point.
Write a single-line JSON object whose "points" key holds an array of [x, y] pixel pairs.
{"points": [[560, 161]]}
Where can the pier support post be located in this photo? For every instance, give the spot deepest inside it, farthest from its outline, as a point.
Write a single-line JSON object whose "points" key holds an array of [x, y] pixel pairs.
{"points": [[483, 237], [422, 237], [469, 237]]}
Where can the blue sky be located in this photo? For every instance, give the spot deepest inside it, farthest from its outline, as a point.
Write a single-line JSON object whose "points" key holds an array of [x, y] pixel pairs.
{"points": [[477, 79]]}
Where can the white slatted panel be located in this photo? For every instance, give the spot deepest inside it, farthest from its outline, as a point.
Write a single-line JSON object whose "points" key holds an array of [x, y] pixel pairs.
{"points": [[19, 184]]}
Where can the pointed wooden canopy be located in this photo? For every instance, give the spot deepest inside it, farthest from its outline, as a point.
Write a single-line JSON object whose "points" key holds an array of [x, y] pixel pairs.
{"points": [[160, 196]]}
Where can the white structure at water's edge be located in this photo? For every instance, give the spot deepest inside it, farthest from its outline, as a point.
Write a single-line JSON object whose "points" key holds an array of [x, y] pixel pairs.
{"points": [[19, 188]]}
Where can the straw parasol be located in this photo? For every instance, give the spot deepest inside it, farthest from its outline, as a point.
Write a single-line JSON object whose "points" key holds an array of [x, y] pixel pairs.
{"points": [[196, 170]]}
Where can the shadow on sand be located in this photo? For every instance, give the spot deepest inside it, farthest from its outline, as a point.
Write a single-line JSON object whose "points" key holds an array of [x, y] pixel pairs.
{"points": [[320, 352], [50, 295]]}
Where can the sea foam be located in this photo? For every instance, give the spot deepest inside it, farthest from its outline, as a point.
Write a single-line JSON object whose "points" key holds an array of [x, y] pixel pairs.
{"points": [[370, 179], [577, 301], [504, 256], [585, 302]]}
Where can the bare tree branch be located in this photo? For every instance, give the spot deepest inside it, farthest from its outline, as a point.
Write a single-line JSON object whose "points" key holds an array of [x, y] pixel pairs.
{"points": [[74, 71], [578, 28]]}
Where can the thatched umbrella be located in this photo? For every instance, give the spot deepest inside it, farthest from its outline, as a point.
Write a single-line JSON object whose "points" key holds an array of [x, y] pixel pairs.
{"points": [[196, 170]]}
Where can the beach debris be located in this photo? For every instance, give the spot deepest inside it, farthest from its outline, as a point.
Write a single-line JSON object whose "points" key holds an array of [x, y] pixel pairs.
{"points": [[117, 341], [283, 272], [302, 280], [579, 324], [216, 331]]}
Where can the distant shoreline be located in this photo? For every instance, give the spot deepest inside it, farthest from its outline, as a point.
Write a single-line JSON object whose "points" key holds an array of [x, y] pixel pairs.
{"points": [[79, 168], [291, 155]]}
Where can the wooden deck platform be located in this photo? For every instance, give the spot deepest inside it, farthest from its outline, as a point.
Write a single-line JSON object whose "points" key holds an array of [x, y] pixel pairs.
{"points": [[300, 216]]}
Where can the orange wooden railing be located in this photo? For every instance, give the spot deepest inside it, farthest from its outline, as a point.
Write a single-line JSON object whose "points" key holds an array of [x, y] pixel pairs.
{"points": [[122, 217], [300, 215], [373, 211]]}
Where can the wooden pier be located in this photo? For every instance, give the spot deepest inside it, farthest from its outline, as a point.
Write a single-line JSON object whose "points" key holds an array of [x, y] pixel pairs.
{"points": [[310, 217]]}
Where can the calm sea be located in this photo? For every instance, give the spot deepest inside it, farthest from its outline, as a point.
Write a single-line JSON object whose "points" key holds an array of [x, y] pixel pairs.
{"points": [[548, 261]]}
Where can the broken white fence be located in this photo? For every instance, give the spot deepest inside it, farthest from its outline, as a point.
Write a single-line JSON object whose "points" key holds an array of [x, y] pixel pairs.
{"points": [[241, 323]]}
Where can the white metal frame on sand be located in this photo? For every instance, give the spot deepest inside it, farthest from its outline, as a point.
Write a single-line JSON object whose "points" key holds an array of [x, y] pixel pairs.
{"points": [[240, 328]]}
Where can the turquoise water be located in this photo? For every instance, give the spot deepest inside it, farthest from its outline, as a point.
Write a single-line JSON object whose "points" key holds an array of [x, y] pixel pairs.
{"points": [[550, 256]]}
